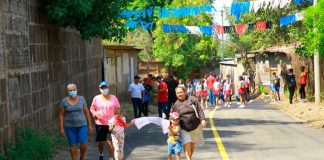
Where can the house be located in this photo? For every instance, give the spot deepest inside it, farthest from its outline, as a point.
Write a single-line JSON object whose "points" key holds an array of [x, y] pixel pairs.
{"points": [[259, 65], [120, 67]]}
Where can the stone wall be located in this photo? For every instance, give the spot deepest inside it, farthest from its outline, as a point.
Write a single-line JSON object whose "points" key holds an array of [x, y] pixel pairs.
{"points": [[37, 60]]}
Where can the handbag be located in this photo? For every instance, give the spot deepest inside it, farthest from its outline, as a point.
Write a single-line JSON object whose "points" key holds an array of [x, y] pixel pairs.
{"points": [[196, 112], [197, 135]]}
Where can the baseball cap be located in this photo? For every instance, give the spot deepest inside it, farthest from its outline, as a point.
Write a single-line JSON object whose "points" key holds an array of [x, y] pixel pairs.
{"points": [[174, 115], [103, 83]]}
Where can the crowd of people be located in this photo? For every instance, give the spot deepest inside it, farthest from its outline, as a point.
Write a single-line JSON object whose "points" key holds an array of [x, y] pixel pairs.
{"points": [[182, 102]]}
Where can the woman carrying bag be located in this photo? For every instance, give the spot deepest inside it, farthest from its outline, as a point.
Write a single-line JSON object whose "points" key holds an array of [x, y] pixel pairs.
{"points": [[192, 120]]}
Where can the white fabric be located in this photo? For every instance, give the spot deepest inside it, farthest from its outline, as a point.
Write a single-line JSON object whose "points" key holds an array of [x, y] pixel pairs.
{"points": [[216, 85], [299, 16], [193, 29], [163, 123], [199, 87], [284, 3], [255, 5], [275, 4], [205, 86]]}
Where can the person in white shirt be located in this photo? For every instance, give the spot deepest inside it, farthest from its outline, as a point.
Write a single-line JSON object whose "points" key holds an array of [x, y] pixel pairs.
{"points": [[136, 93], [217, 89]]}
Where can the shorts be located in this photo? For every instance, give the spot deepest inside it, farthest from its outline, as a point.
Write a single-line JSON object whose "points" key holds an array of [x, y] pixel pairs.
{"points": [[227, 92], [77, 135], [102, 133], [241, 91], [185, 137], [174, 147]]}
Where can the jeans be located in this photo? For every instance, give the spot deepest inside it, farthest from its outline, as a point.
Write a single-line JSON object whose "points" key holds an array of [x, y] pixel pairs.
{"points": [[211, 97], [302, 92], [291, 93], [163, 106], [138, 107], [145, 108]]}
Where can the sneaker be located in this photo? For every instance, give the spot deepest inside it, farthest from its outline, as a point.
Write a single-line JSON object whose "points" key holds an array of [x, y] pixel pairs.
{"points": [[241, 106], [228, 105]]}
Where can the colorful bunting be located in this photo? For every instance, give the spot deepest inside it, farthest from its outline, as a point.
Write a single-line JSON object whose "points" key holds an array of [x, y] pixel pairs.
{"points": [[211, 30], [167, 12], [206, 30], [239, 8], [291, 19], [261, 25], [144, 25], [300, 2], [219, 29], [240, 28]]}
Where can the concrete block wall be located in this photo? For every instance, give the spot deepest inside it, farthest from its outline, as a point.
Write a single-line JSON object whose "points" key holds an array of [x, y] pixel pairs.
{"points": [[37, 60]]}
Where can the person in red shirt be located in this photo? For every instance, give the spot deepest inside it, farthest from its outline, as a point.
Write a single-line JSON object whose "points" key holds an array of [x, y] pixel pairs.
{"points": [[210, 85], [302, 82], [162, 97]]}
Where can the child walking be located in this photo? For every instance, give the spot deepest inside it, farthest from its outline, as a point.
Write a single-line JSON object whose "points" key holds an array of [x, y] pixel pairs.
{"points": [[116, 128], [174, 143], [227, 92]]}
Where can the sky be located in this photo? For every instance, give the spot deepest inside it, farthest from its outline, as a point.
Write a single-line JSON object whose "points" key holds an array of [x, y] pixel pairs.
{"points": [[221, 5]]}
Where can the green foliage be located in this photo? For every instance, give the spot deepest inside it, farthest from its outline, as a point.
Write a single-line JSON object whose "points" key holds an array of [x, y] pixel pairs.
{"points": [[260, 40], [312, 40], [263, 90], [34, 144], [183, 52], [93, 18]]}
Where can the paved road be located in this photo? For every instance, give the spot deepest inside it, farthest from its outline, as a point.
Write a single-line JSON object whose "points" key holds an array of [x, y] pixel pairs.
{"points": [[253, 133]]}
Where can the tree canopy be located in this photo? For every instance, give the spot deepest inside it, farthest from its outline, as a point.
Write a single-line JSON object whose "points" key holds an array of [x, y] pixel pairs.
{"points": [[93, 18], [311, 39]]}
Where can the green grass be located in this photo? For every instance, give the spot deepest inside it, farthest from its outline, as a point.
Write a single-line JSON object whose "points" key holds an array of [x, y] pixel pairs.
{"points": [[34, 144]]}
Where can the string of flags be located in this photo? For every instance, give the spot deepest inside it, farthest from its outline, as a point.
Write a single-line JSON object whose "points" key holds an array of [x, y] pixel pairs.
{"points": [[143, 24], [211, 30], [239, 8], [291, 19], [167, 12]]}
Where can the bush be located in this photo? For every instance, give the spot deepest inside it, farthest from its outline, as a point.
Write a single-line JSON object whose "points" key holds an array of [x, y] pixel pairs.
{"points": [[263, 90], [34, 144]]}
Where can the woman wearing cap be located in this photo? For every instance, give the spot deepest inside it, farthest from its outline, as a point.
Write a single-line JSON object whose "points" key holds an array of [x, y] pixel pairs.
{"points": [[102, 109], [192, 118], [75, 121]]}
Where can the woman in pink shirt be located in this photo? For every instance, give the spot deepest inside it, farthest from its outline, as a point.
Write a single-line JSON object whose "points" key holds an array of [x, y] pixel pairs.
{"points": [[102, 109]]}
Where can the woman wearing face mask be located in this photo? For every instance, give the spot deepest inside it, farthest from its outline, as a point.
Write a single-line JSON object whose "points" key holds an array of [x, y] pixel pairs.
{"points": [[75, 121], [102, 109]]}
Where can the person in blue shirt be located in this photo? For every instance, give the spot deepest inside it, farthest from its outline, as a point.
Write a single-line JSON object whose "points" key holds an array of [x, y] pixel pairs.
{"points": [[147, 96]]}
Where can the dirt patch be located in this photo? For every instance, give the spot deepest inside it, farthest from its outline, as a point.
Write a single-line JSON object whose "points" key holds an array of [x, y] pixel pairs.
{"points": [[309, 113]]}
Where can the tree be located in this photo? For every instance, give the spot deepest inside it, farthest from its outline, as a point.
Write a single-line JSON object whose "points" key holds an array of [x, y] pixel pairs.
{"points": [[183, 52], [93, 18], [314, 18]]}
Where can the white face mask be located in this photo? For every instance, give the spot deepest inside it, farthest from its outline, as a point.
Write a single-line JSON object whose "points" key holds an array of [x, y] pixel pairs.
{"points": [[104, 91]]}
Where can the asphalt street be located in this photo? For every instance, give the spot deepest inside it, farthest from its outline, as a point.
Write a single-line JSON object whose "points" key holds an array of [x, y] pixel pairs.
{"points": [[256, 132]]}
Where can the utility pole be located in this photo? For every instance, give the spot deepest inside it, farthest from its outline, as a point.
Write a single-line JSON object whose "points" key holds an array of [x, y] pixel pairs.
{"points": [[222, 57], [317, 70]]}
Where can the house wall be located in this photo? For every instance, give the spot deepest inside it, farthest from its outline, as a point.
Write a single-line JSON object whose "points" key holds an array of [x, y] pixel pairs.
{"points": [[37, 61], [122, 66]]}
